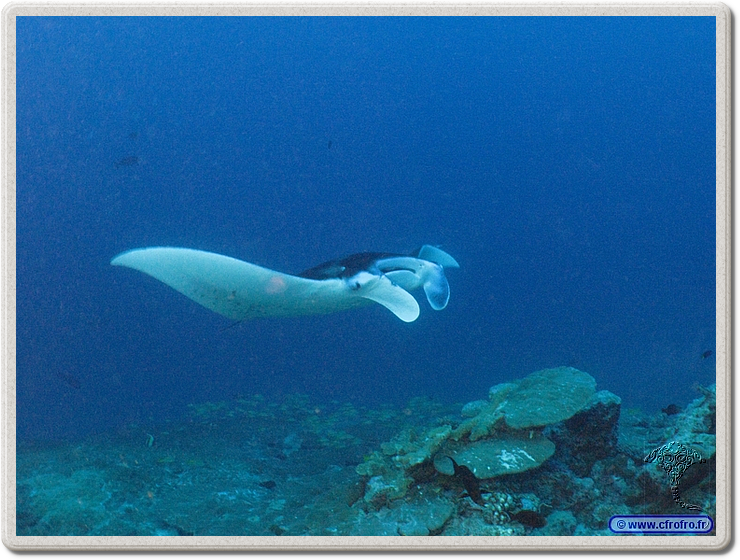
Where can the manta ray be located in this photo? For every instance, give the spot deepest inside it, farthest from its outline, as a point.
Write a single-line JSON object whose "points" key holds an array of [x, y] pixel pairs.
{"points": [[240, 290]]}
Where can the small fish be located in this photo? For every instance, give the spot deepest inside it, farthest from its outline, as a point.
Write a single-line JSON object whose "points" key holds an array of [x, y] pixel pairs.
{"points": [[269, 484], [127, 162], [469, 481], [704, 391], [706, 354], [671, 409], [529, 518], [69, 379]]}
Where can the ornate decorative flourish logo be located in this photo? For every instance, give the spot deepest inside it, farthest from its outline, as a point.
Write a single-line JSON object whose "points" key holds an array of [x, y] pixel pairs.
{"points": [[674, 458]]}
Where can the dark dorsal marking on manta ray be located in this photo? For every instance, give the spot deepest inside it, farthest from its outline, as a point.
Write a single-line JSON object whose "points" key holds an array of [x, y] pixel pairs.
{"points": [[469, 481], [345, 267]]}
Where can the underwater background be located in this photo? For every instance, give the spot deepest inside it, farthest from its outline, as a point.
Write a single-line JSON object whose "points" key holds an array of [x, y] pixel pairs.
{"points": [[567, 164]]}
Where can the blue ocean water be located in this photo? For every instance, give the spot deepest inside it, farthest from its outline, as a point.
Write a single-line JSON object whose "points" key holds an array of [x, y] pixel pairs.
{"points": [[568, 165]]}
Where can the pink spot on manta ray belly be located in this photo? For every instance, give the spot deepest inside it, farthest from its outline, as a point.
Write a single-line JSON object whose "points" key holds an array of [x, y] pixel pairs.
{"points": [[275, 285]]}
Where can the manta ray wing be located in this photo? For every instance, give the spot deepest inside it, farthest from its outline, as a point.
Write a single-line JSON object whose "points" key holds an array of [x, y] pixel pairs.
{"points": [[237, 289]]}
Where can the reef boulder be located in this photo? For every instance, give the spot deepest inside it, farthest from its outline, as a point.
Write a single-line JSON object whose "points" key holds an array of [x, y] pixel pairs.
{"points": [[547, 396], [589, 435], [493, 457], [542, 398]]}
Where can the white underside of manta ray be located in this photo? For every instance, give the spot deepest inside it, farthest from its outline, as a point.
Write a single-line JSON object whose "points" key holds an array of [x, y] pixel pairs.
{"points": [[240, 290]]}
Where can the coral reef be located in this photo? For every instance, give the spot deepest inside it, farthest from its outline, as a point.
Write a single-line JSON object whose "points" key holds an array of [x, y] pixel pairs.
{"points": [[693, 428], [556, 414], [501, 436], [544, 455]]}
